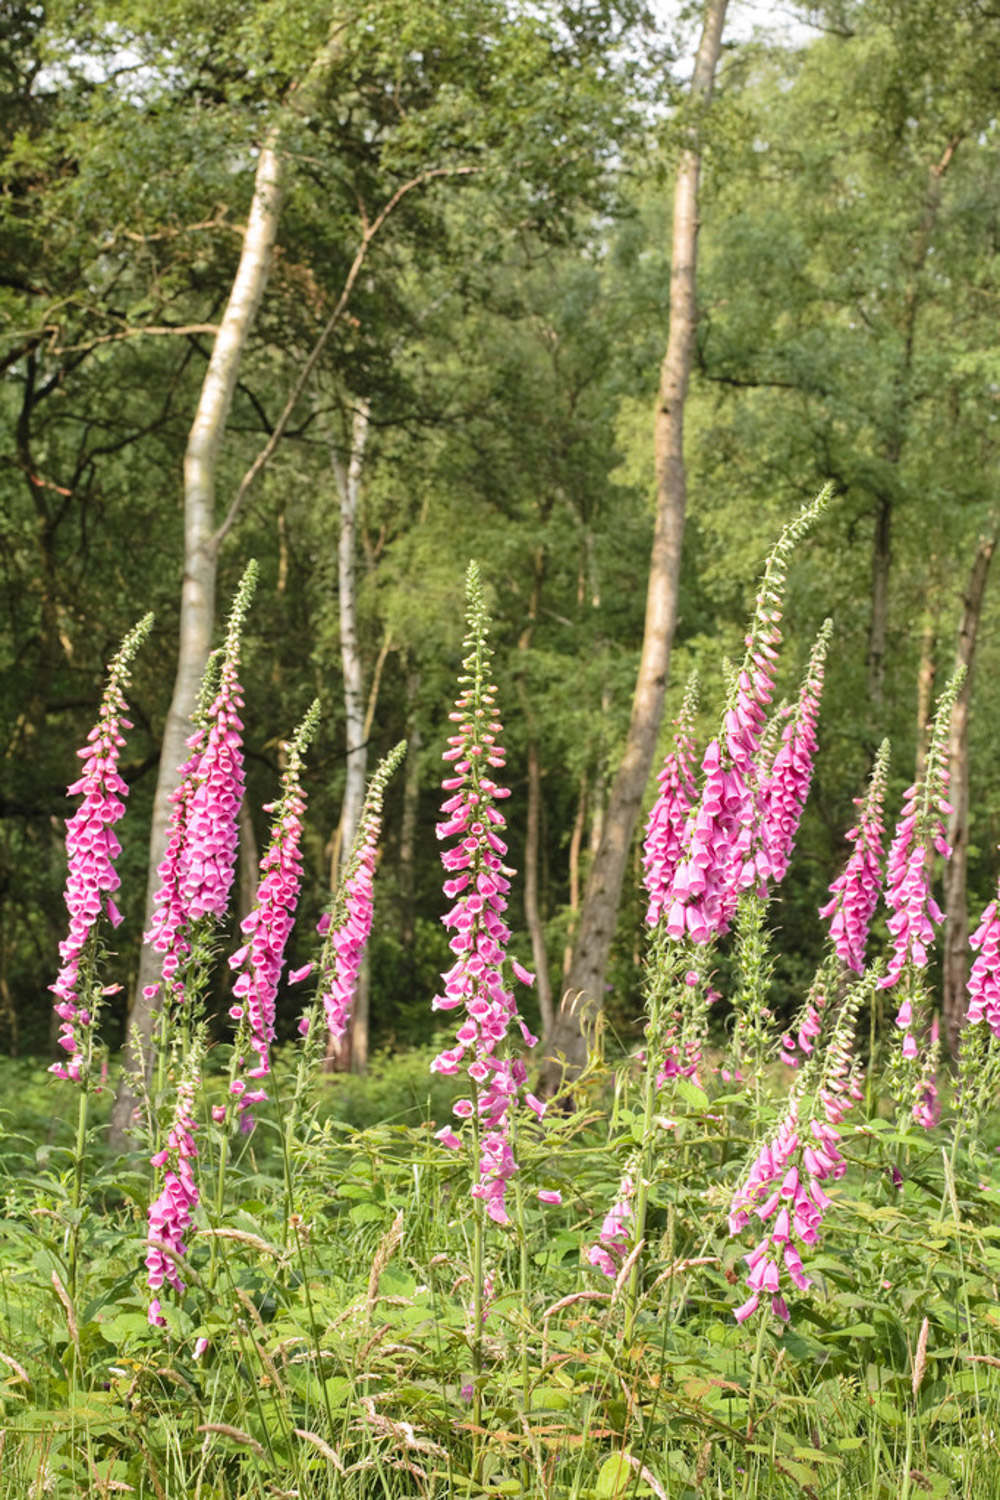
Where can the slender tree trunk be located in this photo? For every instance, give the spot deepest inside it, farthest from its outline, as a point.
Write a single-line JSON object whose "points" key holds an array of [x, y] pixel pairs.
{"points": [[956, 948], [926, 677], [201, 547], [600, 906], [575, 845], [349, 490]]}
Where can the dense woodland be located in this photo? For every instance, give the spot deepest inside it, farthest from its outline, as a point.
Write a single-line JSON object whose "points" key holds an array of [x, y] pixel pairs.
{"points": [[475, 227]]}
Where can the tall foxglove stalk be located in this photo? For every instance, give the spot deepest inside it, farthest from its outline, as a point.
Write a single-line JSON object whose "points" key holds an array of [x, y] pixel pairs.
{"points": [[91, 850], [720, 855], [785, 787], [478, 883], [854, 894], [665, 828], [259, 961], [346, 927], [197, 870], [914, 911]]}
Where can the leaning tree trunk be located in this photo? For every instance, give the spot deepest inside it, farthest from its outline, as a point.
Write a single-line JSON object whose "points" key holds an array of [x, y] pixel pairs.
{"points": [[202, 539], [600, 905], [956, 946]]}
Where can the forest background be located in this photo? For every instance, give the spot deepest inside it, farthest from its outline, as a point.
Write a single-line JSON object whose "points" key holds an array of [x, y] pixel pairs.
{"points": [[486, 390]]}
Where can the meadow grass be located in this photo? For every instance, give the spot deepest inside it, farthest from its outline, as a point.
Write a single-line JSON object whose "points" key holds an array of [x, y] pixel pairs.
{"points": [[338, 1353]]}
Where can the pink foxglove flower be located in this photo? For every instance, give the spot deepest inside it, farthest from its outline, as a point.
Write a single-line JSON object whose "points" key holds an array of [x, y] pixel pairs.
{"points": [[785, 787], [198, 866], [91, 850], [346, 928], [984, 980], [721, 856], [908, 895], [784, 1185], [855, 892], [615, 1238], [259, 961], [665, 829], [170, 1214], [478, 883]]}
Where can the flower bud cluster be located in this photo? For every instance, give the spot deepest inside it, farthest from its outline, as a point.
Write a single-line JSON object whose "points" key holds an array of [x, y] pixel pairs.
{"points": [[170, 1214], [91, 850], [478, 883]]}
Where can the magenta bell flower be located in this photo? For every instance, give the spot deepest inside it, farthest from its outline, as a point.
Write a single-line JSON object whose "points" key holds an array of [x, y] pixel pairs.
{"points": [[91, 850], [170, 1214], [478, 883]]}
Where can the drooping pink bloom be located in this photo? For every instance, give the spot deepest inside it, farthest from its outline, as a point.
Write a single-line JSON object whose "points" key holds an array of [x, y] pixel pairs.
{"points": [[478, 884], [614, 1241], [346, 928], [259, 961], [785, 787], [170, 1214], [855, 892], [665, 828], [91, 850]]}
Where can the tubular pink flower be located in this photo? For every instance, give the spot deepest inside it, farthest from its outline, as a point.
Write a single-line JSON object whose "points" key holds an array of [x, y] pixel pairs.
{"points": [[198, 866], [616, 1232], [478, 887], [170, 1214], [855, 892], [786, 786], [665, 829], [721, 856], [984, 980], [212, 811], [259, 961], [91, 850], [783, 1187]]}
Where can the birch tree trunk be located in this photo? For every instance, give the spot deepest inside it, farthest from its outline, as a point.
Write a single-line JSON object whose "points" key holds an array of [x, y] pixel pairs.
{"points": [[955, 958], [348, 478], [600, 904], [201, 547]]}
